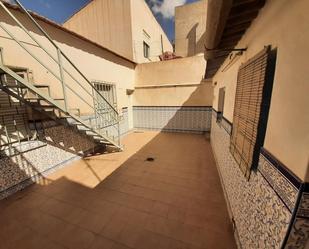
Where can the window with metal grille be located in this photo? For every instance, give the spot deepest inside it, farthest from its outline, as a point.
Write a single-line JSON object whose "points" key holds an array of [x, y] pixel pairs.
{"points": [[108, 91], [253, 93]]}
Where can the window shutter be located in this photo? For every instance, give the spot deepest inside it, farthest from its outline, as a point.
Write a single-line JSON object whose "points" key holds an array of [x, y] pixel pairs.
{"points": [[251, 110]]}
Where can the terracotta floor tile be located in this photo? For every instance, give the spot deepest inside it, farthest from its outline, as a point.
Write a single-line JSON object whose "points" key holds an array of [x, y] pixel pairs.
{"points": [[160, 209], [195, 220], [163, 226], [120, 246], [113, 228], [130, 235], [147, 239], [72, 237], [56, 208], [176, 213], [193, 235], [121, 201], [100, 242]]}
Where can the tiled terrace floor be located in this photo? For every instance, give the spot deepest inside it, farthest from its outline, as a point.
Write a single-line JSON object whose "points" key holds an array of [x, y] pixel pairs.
{"points": [[119, 200]]}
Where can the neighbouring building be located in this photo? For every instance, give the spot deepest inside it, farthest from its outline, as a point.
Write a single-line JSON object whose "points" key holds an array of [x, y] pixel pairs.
{"points": [[190, 28], [260, 124], [127, 27]]}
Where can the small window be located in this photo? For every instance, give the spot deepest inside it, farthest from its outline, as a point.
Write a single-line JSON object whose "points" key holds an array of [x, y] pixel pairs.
{"points": [[221, 104], [146, 50]]}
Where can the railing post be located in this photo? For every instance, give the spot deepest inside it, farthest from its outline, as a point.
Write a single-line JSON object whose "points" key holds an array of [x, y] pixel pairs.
{"points": [[119, 132], [94, 107], [62, 78]]}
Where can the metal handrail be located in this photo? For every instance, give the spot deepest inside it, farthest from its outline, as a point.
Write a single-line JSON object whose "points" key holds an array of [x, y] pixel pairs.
{"points": [[112, 114], [43, 64], [42, 47], [56, 46]]}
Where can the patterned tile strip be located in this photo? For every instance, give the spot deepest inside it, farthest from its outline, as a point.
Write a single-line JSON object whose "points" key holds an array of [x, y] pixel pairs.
{"points": [[299, 235], [172, 118], [60, 145], [281, 185], [261, 217]]}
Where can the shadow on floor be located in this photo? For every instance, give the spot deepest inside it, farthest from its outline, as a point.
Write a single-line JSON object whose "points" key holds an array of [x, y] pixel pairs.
{"points": [[121, 200]]}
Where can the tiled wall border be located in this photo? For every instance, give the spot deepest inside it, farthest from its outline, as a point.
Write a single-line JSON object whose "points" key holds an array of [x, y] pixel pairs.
{"points": [[191, 119], [279, 177], [260, 217], [56, 155], [35, 178], [226, 124], [293, 193], [298, 234], [285, 183]]}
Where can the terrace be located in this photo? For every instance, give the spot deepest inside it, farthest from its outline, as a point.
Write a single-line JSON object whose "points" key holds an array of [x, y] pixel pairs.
{"points": [[122, 200], [103, 145]]}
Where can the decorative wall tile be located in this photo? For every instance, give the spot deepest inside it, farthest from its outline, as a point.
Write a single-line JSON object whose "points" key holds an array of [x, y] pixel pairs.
{"points": [[303, 209], [299, 235], [283, 187], [169, 118], [261, 217], [35, 158]]}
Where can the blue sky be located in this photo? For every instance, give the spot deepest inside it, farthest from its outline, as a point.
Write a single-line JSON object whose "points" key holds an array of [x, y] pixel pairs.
{"points": [[60, 10]]}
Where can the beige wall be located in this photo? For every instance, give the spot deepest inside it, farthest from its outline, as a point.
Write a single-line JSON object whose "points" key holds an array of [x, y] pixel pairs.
{"points": [[143, 20], [122, 26], [95, 62], [190, 27], [178, 71], [284, 25], [173, 83], [194, 95], [107, 22]]}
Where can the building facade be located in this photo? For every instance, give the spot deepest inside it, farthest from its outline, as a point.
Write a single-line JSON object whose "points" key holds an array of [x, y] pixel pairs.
{"points": [[126, 27], [190, 28]]}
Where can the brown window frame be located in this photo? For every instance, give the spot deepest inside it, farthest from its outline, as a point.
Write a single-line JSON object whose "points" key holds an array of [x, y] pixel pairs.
{"points": [[251, 108]]}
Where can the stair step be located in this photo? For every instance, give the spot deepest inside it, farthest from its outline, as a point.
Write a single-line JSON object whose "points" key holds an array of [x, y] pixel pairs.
{"points": [[83, 128], [43, 106], [41, 101]]}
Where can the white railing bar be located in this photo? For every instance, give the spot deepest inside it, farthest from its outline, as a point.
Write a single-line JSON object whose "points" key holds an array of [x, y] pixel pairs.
{"points": [[56, 46], [41, 46], [22, 45]]}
